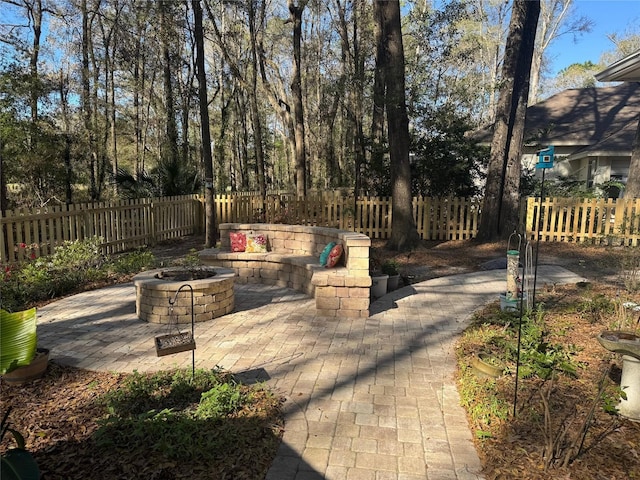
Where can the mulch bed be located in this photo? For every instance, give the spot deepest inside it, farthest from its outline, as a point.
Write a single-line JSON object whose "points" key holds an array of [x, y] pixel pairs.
{"points": [[57, 415]]}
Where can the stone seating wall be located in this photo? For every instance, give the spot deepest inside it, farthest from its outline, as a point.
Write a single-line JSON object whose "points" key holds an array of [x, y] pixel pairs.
{"points": [[292, 260]]}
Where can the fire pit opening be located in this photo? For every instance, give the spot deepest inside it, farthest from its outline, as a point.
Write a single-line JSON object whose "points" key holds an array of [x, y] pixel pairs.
{"points": [[212, 290], [181, 275]]}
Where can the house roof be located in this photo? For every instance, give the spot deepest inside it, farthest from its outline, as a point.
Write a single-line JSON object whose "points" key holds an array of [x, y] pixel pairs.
{"points": [[626, 69], [619, 143], [593, 118]]}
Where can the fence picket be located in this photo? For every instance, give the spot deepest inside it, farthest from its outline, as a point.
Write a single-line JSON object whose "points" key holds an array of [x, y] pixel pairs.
{"points": [[128, 224]]}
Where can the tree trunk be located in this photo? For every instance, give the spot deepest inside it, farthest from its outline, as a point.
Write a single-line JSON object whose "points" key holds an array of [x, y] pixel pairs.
{"points": [[632, 189], [98, 155], [35, 12], [64, 104], [170, 150], [3, 183], [296, 92], [86, 98], [500, 207], [139, 77], [109, 46], [403, 229], [255, 110], [379, 83], [207, 157]]}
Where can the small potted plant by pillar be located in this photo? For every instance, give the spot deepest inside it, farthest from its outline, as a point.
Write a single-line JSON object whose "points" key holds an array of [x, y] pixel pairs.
{"points": [[392, 268], [378, 279], [20, 359]]}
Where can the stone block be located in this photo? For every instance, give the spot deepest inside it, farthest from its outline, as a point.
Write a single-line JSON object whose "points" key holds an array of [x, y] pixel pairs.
{"points": [[358, 263], [327, 303], [342, 291], [325, 291], [353, 281], [354, 303], [360, 292]]}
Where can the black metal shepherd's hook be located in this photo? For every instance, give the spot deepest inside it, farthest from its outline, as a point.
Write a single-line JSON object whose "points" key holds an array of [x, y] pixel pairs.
{"points": [[193, 351]]}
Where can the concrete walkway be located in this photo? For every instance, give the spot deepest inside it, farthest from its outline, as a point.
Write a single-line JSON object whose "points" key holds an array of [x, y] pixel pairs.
{"points": [[370, 398]]}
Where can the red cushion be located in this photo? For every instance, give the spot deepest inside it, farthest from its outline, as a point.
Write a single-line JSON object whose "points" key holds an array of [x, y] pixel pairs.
{"points": [[334, 256], [238, 241]]}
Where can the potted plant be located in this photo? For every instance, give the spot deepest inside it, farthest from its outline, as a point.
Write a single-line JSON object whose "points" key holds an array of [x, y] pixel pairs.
{"points": [[20, 359], [391, 267], [378, 279]]}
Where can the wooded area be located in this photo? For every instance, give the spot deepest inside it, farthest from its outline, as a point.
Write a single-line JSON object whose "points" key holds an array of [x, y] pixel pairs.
{"points": [[110, 99]]}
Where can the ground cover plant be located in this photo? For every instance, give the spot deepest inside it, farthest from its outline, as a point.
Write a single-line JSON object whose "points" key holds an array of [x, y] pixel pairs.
{"points": [[80, 424], [565, 423]]}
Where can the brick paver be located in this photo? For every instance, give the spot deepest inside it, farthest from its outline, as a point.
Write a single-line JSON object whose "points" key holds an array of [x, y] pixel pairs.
{"points": [[370, 398]]}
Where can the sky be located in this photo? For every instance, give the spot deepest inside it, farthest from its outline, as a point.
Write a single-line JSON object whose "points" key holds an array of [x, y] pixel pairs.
{"points": [[608, 16]]}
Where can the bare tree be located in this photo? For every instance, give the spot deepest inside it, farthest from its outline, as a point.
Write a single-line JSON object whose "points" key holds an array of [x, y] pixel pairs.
{"points": [[248, 79], [170, 150], [555, 21], [109, 32], [86, 99]]}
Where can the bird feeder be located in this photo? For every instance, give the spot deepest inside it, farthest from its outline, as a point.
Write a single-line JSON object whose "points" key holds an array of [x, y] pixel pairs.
{"points": [[513, 262], [509, 299]]}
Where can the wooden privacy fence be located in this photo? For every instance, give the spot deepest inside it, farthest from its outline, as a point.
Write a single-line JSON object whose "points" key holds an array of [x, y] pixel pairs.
{"points": [[436, 219], [128, 224], [595, 221], [125, 224]]}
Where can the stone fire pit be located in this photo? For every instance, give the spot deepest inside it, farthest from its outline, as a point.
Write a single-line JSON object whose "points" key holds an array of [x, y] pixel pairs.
{"points": [[212, 294]]}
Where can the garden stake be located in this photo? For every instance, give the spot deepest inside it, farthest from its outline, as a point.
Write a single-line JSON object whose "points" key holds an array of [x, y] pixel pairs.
{"points": [[521, 297], [526, 287]]}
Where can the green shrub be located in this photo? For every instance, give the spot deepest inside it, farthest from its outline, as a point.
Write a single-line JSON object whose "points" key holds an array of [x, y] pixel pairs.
{"points": [[482, 400], [390, 267], [221, 400], [133, 262], [72, 265], [538, 356], [180, 418], [79, 254], [193, 259], [142, 393], [596, 308]]}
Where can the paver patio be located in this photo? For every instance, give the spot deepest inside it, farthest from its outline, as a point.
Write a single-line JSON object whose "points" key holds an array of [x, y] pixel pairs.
{"points": [[370, 398]]}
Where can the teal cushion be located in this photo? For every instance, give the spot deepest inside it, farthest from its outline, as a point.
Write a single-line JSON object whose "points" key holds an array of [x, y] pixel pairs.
{"points": [[325, 253]]}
